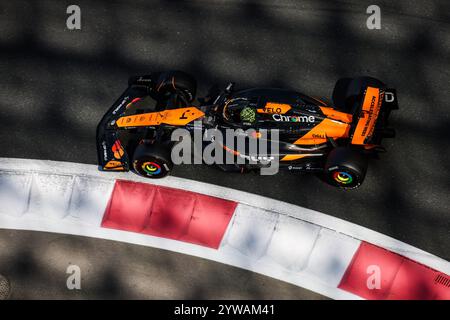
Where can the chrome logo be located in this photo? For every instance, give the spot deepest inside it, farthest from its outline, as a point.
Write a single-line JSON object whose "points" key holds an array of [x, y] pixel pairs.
{"points": [[151, 168], [302, 118], [342, 177]]}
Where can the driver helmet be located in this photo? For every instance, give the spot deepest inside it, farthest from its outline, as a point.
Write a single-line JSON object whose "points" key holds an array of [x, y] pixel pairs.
{"points": [[248, 114]]}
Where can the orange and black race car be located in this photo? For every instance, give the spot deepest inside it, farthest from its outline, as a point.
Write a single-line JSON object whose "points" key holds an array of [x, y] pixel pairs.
{"points": [[312, 136]]}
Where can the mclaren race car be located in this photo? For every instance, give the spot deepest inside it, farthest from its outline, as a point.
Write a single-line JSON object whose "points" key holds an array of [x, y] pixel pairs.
{"points": [[312, 136]]}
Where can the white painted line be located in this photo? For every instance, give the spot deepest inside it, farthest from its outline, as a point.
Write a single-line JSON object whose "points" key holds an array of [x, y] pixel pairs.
{"points": [[292, 243], [251, 230], [15, 193], [330, 257]]}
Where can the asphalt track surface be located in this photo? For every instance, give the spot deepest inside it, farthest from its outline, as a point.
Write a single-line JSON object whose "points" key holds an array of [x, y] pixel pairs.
{"points": [[56, 84]]}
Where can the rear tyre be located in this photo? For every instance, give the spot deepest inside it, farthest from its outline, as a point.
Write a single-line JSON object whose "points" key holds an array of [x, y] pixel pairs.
{"points": [[152, 160], [177, 82], [348, 92], [345, 168]]}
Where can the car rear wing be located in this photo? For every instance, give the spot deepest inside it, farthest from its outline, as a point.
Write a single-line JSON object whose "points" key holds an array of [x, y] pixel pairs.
{"points": [[370, 124]]}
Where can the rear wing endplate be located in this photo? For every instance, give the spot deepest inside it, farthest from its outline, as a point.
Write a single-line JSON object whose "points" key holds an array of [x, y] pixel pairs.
{"points": [[375, 110]]}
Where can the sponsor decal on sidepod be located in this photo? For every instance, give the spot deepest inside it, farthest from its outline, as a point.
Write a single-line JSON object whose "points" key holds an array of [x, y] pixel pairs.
{"points": [[280, 117]]}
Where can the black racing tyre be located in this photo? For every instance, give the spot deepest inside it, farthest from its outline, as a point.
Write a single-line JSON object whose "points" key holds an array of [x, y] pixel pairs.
{"points": [[177, 81], [152, 160], [348, 91], [345, 168]]}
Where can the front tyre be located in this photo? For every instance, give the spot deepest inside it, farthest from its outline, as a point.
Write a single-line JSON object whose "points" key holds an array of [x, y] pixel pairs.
{"points": [[345, 168], [177, 82], [152, 161]]}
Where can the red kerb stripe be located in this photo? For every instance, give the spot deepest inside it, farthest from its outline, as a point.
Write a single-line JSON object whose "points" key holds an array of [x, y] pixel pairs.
{"points": [[400, 278], [168, 213]]}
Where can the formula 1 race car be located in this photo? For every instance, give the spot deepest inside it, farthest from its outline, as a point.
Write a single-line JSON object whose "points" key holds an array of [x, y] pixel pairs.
{"points": [[313, 136]]}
